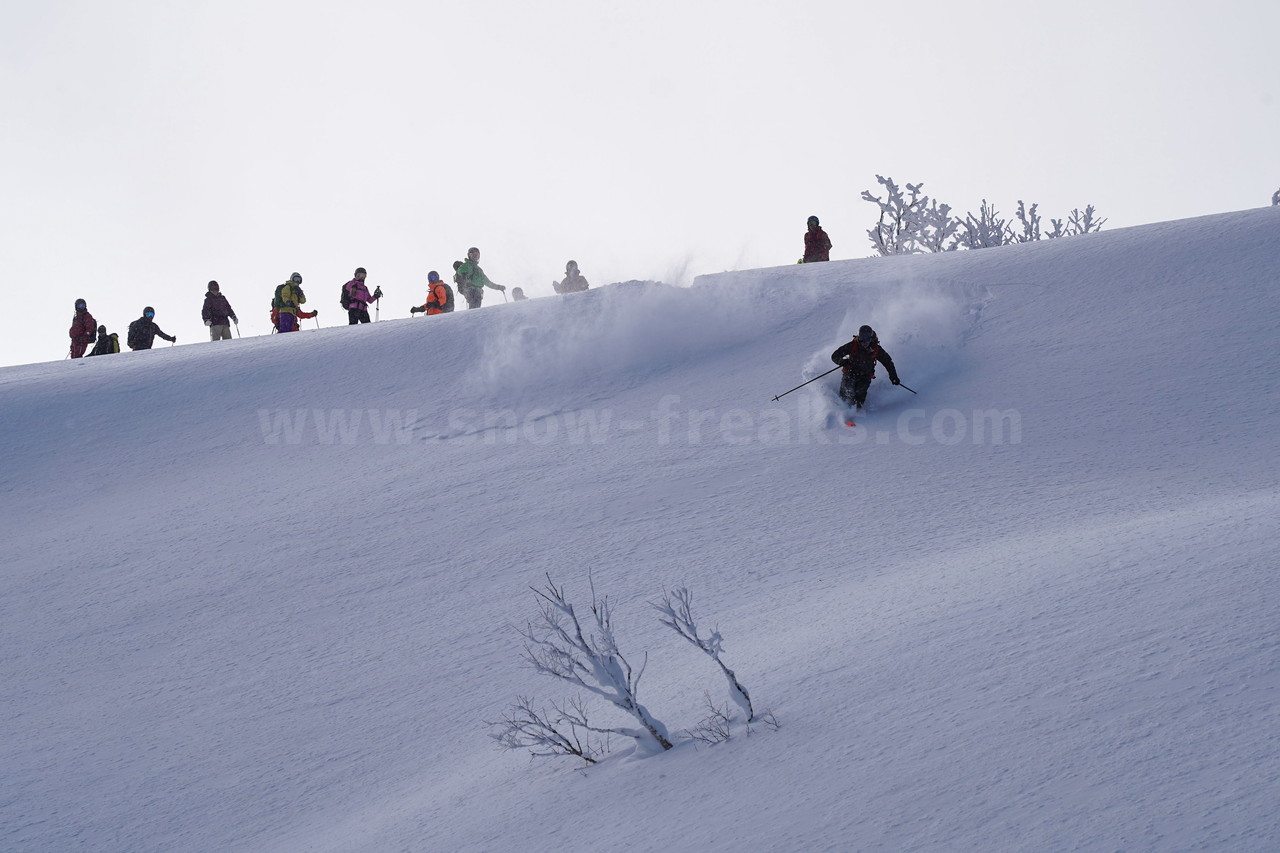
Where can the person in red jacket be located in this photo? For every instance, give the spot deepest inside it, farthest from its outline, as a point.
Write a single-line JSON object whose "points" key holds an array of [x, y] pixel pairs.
{"points": [[84, 329], [439, 298], [358, 298], [298, 313], [817, 245]]}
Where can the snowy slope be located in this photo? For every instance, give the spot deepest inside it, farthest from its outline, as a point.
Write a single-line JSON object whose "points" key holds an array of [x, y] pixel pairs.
{"points": [[259, 595]]}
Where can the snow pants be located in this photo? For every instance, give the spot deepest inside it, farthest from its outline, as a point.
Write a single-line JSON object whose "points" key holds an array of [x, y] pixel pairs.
{"points": [[287, 322], [853, 388], [220, 333]]}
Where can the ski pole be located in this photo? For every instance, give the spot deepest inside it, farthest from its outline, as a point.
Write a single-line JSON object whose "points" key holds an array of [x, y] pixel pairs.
{"points": [[317, 319], [237, 324], [802, 384], [504, 296], [377, 310], [900, 385]]}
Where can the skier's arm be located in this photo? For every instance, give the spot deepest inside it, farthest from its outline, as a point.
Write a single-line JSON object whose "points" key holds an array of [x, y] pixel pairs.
{"points": [[839, 356], [883, 358], [169, 338]]}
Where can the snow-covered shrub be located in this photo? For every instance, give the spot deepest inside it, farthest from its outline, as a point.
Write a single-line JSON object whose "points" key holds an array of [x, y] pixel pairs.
{"points": [[677, 614], [556, 645], [559, 645], [901, 217], [938, 229], [985, 230], [1084, 222], [1030, 224]]}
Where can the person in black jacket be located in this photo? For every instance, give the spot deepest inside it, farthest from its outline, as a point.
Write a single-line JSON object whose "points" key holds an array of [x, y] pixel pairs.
{"points": [[143, 331], [858, 358]]}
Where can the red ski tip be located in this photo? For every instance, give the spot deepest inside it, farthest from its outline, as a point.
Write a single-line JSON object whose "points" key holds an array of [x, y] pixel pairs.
{"points": [[849, 423]]}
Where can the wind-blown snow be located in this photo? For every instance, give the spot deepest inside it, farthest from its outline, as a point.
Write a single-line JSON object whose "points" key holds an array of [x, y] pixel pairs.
{"points": [[260, 595]]}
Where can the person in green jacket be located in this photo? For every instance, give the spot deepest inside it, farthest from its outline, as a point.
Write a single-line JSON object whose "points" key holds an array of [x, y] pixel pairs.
{"points": [[471, 279]]}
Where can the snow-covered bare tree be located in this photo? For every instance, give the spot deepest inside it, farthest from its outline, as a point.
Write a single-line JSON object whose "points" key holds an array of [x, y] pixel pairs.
{"points": [[1030, 224], [561, 730], [556, 645], [986, 230], [1084, 222], [938, 229], [901, 217], [676, 609]]}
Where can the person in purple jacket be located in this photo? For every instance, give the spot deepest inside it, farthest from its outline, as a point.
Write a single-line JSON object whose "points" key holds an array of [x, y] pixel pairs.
{"points": [[356, 298], [217, 314]]}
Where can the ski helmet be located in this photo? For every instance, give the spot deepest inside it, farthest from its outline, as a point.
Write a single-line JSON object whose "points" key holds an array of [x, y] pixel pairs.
{"points": [[866, 334], [813, 220], [433, 276], [148, 312], [81, 305], [361, 270], [213, 285], [296, 278], [473, 249], [572, 265]]}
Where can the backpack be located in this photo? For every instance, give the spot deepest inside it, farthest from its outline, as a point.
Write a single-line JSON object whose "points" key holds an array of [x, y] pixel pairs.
{"points": [[277, 301], [133, 340], [107, 344], [345, 299], [448, 301]]}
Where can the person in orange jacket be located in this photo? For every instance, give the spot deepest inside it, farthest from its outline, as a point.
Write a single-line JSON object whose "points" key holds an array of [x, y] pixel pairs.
{"points": [[439, 297]]}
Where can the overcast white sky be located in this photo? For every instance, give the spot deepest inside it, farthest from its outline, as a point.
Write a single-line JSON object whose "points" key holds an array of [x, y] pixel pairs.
{"points": [[150, 146]]}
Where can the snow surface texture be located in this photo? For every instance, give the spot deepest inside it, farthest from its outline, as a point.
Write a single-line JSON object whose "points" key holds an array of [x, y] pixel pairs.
{"points": [[259, 595]]}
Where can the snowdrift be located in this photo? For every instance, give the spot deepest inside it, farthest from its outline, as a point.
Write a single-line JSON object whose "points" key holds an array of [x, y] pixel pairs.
{"points": [[258, 595]]}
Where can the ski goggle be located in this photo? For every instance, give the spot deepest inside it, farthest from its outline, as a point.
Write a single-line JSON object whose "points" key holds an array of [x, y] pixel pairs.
{"points": [[148, 314], [81, 305]]}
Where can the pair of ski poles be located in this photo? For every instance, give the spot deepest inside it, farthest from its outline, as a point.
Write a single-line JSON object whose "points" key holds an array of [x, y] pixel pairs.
{"points": [[819, 376]]}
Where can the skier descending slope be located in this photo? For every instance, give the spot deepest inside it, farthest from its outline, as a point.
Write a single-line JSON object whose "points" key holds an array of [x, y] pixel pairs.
{"points": [[858, 358]]}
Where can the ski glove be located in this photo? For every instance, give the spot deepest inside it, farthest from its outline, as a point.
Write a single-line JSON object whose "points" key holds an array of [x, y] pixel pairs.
{"points": [[208, 322], [895, 380], [415, 309]]}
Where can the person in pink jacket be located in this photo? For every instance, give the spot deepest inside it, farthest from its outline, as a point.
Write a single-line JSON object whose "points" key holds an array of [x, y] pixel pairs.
{"points": [[356, 298]]}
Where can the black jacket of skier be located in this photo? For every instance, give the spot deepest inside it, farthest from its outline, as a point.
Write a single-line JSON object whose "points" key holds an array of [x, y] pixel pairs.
{"points": [[143, 331], [858, 358]]}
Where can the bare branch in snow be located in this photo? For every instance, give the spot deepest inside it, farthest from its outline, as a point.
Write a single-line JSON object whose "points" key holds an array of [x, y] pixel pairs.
{"points": [[676, 609], [556, 645]]}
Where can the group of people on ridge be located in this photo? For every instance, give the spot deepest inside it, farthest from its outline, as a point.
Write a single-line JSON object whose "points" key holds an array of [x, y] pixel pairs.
{"points": [[85, 330], [288, 301]]}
